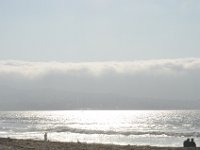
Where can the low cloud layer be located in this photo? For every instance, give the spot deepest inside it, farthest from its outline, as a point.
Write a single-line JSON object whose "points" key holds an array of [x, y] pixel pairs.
{"points": [[40, 69], [165, 82]]}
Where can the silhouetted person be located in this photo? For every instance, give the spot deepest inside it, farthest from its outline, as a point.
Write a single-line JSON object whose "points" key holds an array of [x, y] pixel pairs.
{"points": [[186, 143], [192, 143], [45, 136]]}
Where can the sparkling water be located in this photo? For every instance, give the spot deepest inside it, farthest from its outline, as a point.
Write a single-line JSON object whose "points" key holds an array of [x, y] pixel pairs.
{"points": [[158, 128]]}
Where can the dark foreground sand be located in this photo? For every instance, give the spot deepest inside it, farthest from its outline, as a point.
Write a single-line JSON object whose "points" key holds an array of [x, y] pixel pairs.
{"points": [[13, 144]]}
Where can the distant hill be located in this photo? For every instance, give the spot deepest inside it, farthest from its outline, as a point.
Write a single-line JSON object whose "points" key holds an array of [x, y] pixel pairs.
{"points": [[50, 99]]}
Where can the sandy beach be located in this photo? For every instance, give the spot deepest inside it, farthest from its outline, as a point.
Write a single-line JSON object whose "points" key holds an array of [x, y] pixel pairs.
{"points": [[16, 144]]}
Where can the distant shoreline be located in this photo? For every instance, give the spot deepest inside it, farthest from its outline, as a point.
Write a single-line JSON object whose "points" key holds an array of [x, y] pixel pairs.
{"points": [[20, 144]]}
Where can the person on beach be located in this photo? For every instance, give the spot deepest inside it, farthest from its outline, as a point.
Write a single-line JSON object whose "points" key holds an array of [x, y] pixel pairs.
{"points": [[186, 143], [192, 143], [45, 136]]}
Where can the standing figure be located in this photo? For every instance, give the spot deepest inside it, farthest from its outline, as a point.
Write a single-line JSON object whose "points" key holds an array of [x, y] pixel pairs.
{"points": [[45, 136]]}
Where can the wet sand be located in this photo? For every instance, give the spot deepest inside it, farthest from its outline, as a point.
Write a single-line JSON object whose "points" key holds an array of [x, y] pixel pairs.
{"points": [[15, 144]]}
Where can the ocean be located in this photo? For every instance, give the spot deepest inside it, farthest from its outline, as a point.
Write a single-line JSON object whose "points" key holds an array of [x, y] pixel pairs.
{"points": [[156, 128]]}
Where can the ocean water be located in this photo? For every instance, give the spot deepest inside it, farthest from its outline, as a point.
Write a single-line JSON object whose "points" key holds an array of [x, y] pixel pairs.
{"points": [[158, 128]]}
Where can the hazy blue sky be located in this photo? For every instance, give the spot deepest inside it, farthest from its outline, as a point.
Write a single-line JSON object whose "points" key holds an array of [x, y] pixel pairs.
{"points": [[96, 30], [99, 54]]}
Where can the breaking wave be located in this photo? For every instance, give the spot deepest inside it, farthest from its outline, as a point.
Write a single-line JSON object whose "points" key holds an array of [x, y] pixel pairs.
{"points": [[124, 133]]}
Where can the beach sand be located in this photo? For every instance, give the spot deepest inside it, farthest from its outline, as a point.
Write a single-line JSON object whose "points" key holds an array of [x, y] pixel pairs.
{"points": [[15, 144]]}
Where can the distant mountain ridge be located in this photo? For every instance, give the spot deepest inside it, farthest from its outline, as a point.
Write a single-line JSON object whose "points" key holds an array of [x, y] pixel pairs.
{"points": [[51, 99]]}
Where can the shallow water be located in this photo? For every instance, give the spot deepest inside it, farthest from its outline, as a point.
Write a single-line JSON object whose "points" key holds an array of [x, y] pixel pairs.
{"points": [[159, 128]]}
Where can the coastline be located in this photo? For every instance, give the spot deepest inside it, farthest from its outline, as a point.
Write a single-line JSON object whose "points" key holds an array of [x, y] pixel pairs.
{"points": [[21, 144]]}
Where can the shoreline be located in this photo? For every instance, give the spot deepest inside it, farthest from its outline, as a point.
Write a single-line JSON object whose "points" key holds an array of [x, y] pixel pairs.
{"points": [[29, 144]]}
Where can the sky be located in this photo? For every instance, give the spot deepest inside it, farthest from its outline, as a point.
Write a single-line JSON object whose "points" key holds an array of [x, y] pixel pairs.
{"points": [[99, 54]]}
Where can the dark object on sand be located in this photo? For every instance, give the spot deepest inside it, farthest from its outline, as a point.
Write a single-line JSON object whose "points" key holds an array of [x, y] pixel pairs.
{"points": [[45, 136], [188, 143], [192, 143]]}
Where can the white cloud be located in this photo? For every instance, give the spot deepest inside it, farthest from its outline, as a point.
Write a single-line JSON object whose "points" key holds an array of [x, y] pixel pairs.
{"points": [[109, 82], [160, 66]]}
